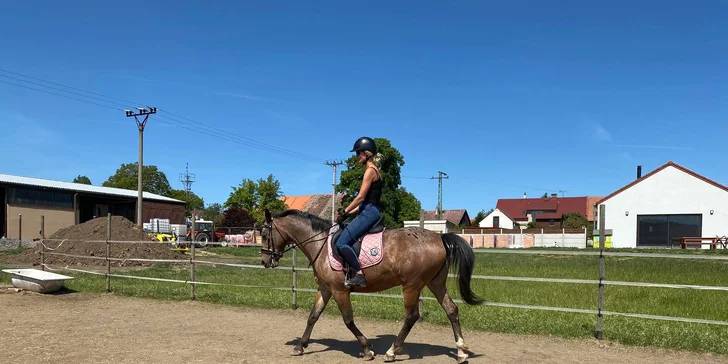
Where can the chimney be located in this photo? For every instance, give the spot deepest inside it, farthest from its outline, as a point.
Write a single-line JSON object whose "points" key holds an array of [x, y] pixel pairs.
{"points": [[524, 195], [554, 195], [639, 172]]}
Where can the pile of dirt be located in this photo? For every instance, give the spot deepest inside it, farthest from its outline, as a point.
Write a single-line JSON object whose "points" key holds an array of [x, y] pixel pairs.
{"points": [[76, 240]]}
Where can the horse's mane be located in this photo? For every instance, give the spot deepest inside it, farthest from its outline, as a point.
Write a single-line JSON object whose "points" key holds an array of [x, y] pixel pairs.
{"points": [[317, 223]]}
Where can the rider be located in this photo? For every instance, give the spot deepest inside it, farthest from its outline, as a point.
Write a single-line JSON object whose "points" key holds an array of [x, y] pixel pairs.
{"points": [[366, 204]]}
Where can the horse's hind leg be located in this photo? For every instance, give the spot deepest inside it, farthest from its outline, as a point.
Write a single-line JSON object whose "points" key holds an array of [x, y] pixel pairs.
{"points": [[343, 300], [439, 289], [412, 314], [322, 298]]}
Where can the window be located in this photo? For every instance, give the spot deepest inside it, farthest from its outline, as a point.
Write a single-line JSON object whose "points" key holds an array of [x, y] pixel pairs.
{"points": [[40, 198], [664, 230], [551, 222], [496, 221]]}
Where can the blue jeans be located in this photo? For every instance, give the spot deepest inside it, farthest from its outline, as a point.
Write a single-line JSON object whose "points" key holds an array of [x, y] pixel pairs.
{"points": [[366, 218]]}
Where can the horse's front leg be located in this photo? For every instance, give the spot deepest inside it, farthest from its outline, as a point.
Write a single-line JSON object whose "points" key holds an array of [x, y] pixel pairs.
{"points": [[322, 298], [343, 300]]}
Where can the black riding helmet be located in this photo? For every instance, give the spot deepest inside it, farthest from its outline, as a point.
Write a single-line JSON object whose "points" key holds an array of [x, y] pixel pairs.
{"points": [[365, 143]]}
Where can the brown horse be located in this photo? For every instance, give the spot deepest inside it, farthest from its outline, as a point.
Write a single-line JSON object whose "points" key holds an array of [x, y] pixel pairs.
{"points": [[412, 257]]}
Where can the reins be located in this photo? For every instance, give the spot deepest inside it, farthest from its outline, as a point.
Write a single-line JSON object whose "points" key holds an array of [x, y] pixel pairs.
{"points": [[271, 249]]}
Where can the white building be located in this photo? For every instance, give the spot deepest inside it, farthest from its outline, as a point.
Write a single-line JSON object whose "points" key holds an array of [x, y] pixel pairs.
{"points": [[497, 219], [661, 207]]}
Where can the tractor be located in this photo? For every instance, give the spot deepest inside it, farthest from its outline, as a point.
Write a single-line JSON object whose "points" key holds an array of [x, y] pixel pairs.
{"points": [[204, 232]]}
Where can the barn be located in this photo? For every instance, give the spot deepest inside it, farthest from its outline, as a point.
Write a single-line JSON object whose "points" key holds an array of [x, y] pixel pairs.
{"points": [[62, 204], [663, 206]]}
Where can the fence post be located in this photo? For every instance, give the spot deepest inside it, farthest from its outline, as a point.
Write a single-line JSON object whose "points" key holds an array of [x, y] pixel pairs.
{"points": [[563, 236], [192, 258], [42, 242], [20, 227], [419, 302], [600, 296], [542, 237], [108, 253], [294, 306]]}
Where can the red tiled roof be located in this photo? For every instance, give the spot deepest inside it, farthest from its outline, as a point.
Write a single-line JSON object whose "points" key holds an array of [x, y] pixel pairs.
{"points": [[552, 207], [648, 175], [453, 216]]}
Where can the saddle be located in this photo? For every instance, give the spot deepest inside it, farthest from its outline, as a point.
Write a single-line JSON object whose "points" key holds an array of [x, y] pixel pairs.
{"points": [[377, 228]]}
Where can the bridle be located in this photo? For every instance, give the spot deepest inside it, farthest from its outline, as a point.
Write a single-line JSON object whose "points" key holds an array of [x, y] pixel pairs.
{"points": [[269, 248]]}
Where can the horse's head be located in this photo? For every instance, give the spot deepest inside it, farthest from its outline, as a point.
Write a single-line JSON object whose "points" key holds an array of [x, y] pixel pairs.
{"points": [[273, 243]]}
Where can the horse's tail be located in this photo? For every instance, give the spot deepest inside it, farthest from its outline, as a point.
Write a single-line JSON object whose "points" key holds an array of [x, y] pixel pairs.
{"points": [[460, 255]]}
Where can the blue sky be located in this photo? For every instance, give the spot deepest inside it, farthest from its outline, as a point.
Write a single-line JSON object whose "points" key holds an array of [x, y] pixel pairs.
{"points": [[505, 98]]}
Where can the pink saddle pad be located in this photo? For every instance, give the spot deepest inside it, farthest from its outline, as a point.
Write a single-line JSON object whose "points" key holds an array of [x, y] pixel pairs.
{"points": [[371, 251]]}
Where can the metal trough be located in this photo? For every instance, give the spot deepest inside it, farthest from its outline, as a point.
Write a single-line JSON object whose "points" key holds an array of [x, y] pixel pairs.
{"points": [[37, 280]]}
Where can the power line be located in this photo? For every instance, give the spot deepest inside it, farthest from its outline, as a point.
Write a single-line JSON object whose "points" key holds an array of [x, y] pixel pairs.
{"points": [[175, 117]]}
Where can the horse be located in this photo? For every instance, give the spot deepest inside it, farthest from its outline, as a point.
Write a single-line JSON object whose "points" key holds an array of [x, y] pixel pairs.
{"points": [[411, 257]]}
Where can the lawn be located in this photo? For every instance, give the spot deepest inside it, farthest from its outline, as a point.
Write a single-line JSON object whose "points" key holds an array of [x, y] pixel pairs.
{"points": [[689, 303]]}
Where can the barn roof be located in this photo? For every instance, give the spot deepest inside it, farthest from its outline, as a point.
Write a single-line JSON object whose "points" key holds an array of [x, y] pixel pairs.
{"points": [[80, 187], [551, 207]]}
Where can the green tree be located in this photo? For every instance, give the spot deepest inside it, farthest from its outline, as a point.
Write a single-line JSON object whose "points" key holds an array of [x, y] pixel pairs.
{"points": [[193, 203], [256, 196], [574, 220], [397, 204], [481, 216], [153, 180], [237, 220], [82, 179], [213, 212]]}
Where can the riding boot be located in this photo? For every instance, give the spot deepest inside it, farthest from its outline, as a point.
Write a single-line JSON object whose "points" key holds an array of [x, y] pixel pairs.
{"points": [[359, 280]]}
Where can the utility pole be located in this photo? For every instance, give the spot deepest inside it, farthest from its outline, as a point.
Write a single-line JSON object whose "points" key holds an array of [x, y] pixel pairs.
{"points": [[140, 126], [187, 178], [439, 177], [333, 164]]}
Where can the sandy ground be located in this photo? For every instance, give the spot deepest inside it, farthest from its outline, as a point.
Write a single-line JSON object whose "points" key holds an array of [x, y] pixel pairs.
{"points": [[99, 328]]}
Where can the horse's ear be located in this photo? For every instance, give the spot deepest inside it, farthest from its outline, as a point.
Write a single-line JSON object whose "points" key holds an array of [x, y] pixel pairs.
{"points": [[268, 217]]}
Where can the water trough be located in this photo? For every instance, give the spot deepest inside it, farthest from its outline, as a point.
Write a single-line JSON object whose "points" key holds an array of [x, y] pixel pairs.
{"points": [[37, 280]]}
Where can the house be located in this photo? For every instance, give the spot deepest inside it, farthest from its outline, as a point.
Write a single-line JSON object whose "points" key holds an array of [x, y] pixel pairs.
{"points": [[663, 206], [317, 204], [449, 220], [543, 212], [498, 219], [61, 204]]}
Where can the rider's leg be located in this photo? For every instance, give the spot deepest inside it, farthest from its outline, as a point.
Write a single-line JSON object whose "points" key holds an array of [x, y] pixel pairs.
{"points": [[365, 219]]}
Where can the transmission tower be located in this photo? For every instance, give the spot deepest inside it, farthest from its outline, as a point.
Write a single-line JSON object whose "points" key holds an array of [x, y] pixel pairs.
{"points": [[439, 179], [333, 164], [187, 178]]}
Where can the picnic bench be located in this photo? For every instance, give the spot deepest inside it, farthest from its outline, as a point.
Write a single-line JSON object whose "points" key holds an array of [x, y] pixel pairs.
{"points": [[699, 241]]}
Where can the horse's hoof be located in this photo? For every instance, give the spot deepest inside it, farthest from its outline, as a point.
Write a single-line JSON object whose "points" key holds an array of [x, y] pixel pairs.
{"points": [[297, 351], [368, 356], [462, 358], [388, 358]]}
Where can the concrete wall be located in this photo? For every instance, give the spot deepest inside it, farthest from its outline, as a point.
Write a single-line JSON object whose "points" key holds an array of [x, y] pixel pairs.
{"points": [[440, 226], [525, 240], [55, 219], [669, 191]]}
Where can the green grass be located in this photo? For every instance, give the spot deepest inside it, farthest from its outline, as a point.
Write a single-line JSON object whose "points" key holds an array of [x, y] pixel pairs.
{"points": [[655, 301]]}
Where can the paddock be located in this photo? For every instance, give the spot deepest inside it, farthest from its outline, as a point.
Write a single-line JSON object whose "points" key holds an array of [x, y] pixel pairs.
{"points": [[76, 327]]}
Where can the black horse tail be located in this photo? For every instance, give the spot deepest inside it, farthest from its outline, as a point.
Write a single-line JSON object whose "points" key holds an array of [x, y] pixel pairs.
{"points": [[460, 255]]}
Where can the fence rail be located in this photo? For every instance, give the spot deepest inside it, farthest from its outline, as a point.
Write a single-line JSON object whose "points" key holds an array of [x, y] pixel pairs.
{"points": [[600, 283]]}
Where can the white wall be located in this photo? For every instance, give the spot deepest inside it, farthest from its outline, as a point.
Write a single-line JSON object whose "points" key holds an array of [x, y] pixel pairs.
{"points": [[504, 222], [434, 225], [678, 193]]}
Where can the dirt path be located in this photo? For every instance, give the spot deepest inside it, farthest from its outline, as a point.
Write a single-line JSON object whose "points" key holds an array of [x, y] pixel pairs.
{"points": [[98, 328]]}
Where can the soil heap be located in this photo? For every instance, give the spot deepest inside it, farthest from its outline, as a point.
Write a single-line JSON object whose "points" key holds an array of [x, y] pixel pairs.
{"points": [[77, 242]]}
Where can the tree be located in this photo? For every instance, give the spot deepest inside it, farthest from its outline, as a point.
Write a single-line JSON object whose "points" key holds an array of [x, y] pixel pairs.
{"points": [[237, 217], [82, 179], [213, 212], [481, 216], [397, 204], [574, 220], [256, 196], [153, 180], [545, 195], [193, 203]]}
